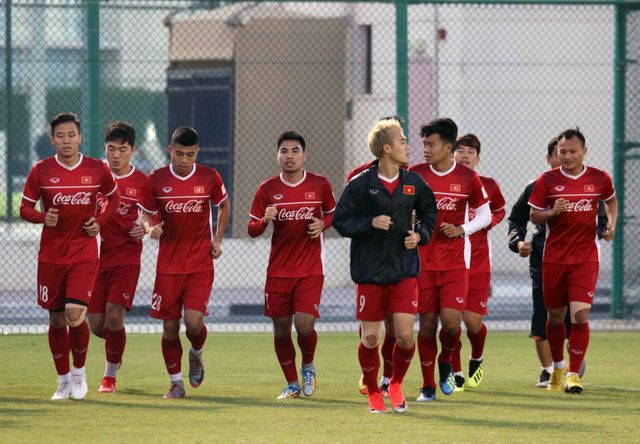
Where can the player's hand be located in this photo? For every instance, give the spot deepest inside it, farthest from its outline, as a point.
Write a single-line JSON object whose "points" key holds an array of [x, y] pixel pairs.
{"points": [[270, 214], [91, 227], [51, 218], [156, 231], [216, 249], [559, 206], [137, 232], [381, 222], [451, 230], [412, 239], [524, 248], [315, 228], [610, 232]]}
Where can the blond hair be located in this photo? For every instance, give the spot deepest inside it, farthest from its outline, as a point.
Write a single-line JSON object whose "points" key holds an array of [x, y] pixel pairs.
{"points": [[382, 134]]}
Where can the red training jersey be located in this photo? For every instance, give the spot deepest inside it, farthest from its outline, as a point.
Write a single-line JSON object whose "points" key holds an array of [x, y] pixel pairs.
{"points": [[457, 191], [571, 237], [73, 191], [480, 242], [184, 207], [293, 253], [117, 247]]}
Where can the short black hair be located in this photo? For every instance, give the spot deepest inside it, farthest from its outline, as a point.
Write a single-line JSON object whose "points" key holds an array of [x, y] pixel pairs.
{"points": [[292, 135], [61, 118], [551, 147], [444, 127], [470, 140], [571, 133], [185, 136], [120, 131]]}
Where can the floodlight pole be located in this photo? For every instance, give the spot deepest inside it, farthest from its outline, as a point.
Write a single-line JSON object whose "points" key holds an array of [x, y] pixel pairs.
{"points": [[92, 12], [402, 62], [8, 110]]}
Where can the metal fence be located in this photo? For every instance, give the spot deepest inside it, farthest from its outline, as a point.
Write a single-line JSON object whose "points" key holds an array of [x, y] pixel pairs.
{"points": [[242, 72]]}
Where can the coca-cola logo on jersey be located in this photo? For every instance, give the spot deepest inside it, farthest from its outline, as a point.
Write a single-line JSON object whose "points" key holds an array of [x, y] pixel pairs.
{"points": [[447, 203], [190, 206], [123, 209], [302, 213], [80, 198], [583, 205]]}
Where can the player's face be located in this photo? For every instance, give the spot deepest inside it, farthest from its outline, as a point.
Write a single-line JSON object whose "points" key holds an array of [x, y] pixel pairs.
{"points": [[571, 153], [398, 149], [291, 157], [467, 156], [553, 160], [183, 158], [118, 155], [66, 139], [435, 149]]}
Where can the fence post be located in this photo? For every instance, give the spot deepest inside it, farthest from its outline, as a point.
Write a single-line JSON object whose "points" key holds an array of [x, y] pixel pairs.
{"points": [[619, 65], [92, 12], [8, 105], [402, 62]]}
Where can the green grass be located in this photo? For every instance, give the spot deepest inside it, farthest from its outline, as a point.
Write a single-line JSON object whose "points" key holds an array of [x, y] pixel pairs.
{"points": [[237, 400]]}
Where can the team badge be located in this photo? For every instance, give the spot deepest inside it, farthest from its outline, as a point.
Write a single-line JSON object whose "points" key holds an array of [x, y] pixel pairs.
{"points": [[130, 192], [278, 196], [589, 189], [559, 188], [374, 190], [198, 190], [309, 195], [167, 189], [455, 187], [85, 180], [55, 179], [409, 189]]}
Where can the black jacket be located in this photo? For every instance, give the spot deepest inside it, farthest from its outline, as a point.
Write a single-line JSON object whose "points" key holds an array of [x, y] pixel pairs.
{"points": [[378, 256], [519, 218]]}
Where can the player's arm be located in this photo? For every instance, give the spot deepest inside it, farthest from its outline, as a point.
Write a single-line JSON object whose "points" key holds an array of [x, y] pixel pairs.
{"points": [[518, 220], [154, 230], [261, 214], [317, 225], [497, 206], [540, 213], [611, 208], [603, 220], [92, 225], [426, 213], [30, 197], [224, 210], [349, 219]]}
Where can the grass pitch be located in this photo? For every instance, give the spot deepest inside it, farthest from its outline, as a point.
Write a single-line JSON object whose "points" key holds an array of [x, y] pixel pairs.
{"points": [[237, 401]]}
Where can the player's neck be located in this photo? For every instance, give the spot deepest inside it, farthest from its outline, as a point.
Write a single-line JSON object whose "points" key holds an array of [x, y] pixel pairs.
{"points": [[122, 171], [574, 171], [69, 161], [388, 168], [443, 165], [293, 177]]}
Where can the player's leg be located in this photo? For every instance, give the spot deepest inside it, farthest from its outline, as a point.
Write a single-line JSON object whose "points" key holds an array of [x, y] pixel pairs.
{"points": [[555, 290], [476, 309], [172, 355], [427, 341], [539, 330], [115, 340], [98, 304], [388, 344], [306, 302], [197, 290]]}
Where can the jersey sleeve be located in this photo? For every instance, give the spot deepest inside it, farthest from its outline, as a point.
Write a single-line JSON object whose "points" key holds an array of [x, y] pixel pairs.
{"points": [[538, 198], [496, 204], [477, 194], [607, 189], [108, 185], [148, 199], [32, 187], [259, 204], [219, 191], [328, 199]]}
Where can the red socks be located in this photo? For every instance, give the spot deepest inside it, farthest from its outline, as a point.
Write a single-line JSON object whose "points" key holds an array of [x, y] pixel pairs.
{"points": [[114, 345], [448, 343], [79, 341], [388, 345], [370, 364], [456, 365], [578, 343], [401, 360], [197, 341], [308, 347], [556, 335], [60, 348], [427, 350], [477, 342], [286, 354], [172, 353]]}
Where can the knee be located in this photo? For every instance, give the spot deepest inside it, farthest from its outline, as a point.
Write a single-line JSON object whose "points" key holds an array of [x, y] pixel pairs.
{"points": [[404, 340], [114, 321], [473, 325], [193, 327], [170, 330], [428, 329], [370, 341], [74, 317], [582, 316]]}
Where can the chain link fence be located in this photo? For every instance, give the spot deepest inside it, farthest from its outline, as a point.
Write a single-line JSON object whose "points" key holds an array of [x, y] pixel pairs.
{"points": [[243, 72]]}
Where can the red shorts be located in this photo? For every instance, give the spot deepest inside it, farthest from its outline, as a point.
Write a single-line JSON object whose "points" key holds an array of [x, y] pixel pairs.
{"points": [[374, 301], [116, 285], [562, 284], [443, 289], [285, 296], [478, 295], [172, 292], [60, 284]]}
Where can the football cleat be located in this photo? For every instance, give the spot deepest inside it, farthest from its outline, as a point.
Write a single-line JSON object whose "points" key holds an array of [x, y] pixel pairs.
{"points": [[289, 392], [309, 380], [108, 385], [362, 387], [196, 369], [573, 384], [384, 389], [459, 383], [447, 380], [557, 379], [376, 403], [427, 394], [62, 392], [543, 380], [398, 401], [175, 391], [476, 372], [79, 387]]}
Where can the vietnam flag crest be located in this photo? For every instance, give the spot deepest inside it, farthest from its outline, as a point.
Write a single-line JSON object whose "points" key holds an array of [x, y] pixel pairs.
{"points": [[130, 192], [85, 180], [198, 190], [455, 187], [409, 189], [309, 195], [589, 189]]}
